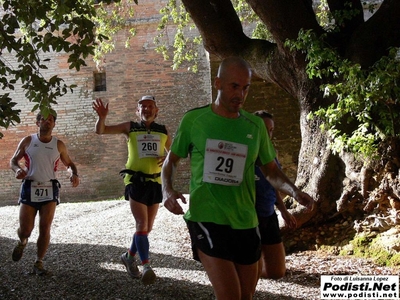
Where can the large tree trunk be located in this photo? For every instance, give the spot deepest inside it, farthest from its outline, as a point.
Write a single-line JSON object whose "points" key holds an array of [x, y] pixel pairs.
{"points": [[341, 185]]}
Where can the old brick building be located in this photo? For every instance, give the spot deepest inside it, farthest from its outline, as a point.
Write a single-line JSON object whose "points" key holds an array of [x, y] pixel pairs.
{"points": [[129, 74]]}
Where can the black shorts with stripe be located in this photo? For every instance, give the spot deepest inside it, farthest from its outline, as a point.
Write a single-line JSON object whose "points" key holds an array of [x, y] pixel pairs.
{"points": [[241, 246]]}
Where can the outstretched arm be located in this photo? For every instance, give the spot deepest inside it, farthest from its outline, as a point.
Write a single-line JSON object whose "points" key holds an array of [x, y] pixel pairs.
{"points": [[101, 128], [171, 196], [283, 184]]}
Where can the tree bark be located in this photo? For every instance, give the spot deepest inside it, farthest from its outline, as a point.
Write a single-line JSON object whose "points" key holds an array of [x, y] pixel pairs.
{"points": [[333, 180]]}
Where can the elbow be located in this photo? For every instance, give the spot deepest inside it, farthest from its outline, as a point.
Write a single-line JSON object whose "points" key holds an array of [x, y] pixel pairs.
{"points": [[13, 162]]}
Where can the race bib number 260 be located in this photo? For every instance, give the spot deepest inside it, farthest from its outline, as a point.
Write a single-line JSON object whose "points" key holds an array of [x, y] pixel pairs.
{"points": [[149, 145], [224, 162]]}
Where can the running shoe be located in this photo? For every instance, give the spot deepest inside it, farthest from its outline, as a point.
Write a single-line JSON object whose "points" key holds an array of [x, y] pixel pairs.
{"points": [[131, 266], [18, 251], [38, 269], [148, 276]]}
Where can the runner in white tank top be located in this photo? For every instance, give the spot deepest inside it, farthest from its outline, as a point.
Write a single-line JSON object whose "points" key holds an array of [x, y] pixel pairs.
{"points": [[40, 188], [41, 159]]}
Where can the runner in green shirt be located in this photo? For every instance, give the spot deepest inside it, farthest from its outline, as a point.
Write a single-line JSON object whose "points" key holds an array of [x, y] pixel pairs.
{"points": [[223, 143]]}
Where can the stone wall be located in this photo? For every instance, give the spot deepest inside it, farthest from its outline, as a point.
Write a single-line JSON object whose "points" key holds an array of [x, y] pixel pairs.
{"points": [[131, 73]]}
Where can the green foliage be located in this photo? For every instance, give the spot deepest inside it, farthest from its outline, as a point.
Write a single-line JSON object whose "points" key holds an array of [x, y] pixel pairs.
{"points": [[245, 13], [368, 99], [29, 31], [8, 115], [110, 19], [185, 42], [185, 46], [261, 32], [324, 15], [341, 16], [248, 17], [333, 21]]}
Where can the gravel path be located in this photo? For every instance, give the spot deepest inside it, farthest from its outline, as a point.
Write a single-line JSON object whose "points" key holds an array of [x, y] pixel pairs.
{"points": [[89, 237]]}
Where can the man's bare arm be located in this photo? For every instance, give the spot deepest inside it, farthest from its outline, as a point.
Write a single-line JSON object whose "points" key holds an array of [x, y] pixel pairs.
{"points": [[20, 173], [282, 183], [170, 196]]}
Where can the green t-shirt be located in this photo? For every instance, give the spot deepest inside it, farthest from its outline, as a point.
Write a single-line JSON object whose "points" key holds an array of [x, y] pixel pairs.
{"points": [[222, 154]]}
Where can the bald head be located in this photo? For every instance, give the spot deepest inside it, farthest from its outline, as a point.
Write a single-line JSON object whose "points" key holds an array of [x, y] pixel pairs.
{"points": [[232, 63], [232, 83]]}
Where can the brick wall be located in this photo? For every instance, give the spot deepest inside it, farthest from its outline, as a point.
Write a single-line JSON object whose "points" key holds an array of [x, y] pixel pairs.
{"points": [[131, 73]]}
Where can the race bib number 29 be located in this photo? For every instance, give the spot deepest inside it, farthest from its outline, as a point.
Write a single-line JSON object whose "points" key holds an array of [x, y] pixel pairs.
{"points": [[224, 162], [41, 191]]}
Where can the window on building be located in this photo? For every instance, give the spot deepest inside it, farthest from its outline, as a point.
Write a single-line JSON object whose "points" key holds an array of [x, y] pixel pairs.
{"points": [[100, 83]]}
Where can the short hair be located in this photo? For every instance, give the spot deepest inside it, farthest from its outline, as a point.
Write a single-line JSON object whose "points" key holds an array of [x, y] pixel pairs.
{"points": [[39, 116], [263, 114]]}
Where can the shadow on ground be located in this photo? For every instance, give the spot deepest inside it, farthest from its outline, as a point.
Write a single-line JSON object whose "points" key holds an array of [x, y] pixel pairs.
{"points": [[86, 271]]}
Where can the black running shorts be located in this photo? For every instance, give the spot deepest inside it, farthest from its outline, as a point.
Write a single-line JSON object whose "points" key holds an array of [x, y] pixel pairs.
{"points": [[269, 230], [241, 246], [148, 192]]}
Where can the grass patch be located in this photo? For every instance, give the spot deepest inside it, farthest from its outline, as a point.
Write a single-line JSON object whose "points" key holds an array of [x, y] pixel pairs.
{"points": [[369, 247]]}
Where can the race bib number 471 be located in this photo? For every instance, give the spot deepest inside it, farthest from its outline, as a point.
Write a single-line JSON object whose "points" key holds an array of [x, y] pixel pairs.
{"points": [[41, 191], [224, 162]]}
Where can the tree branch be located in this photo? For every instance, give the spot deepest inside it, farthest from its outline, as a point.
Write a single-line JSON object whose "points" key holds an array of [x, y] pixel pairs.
{"points": [[284, 18], [373, 39], [219, 26], [353, 8]]}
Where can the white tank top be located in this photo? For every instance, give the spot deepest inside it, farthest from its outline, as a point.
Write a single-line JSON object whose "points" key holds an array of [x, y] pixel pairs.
{"points": [[41, 159]]}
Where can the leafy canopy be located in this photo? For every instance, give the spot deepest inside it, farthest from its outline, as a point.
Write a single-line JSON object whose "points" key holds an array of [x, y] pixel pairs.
{"points": [[32, 28], [110, 19], [186, 41], [185, 44], [29, 31], [368, 99], [366, 104]]}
